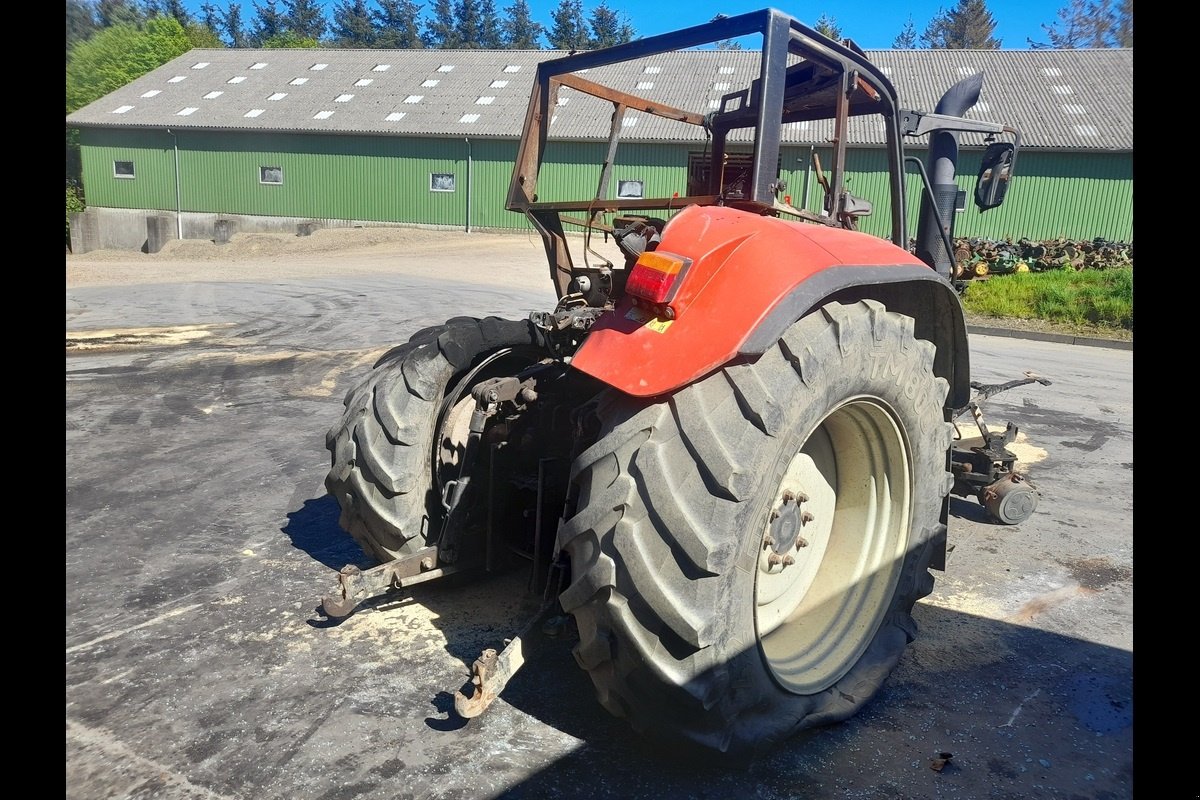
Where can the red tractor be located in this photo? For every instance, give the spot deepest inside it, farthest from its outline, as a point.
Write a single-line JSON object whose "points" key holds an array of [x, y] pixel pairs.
{"points": [[728, 452]]}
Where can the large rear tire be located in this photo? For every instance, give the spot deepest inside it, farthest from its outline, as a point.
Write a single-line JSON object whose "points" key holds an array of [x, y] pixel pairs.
{"points": [[746, 553], [404, 426]]}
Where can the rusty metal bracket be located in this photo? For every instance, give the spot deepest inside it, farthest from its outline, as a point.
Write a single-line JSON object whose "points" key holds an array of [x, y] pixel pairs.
{"points": [[492, 671], [355, 585]]}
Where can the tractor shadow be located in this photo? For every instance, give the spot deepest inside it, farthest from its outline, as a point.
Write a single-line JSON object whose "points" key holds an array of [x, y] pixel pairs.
{"points": [[999, 696], [970, 510], [314, 529]]}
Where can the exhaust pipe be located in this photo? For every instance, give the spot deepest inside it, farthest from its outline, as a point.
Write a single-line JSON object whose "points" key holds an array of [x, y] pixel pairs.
{"points": [[943, 159]]}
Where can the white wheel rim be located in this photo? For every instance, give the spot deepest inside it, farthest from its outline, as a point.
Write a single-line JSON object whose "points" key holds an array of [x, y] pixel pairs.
{"points": [[817, 614]]}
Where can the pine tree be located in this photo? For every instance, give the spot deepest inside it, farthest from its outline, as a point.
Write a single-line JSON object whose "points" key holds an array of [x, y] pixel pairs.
{"points": [[1123, 26], [210, 16], [907, 38], [176, 9], [967, 26], [231, 24], [167, 8], [936, 31], [441, 31], [290, 40], [491, 33], [827, 26], [607, 27], [1089, 23], [467, 28], [568, 31], [352, 25], [397, 24], [518, 30], [305, 18], [81, 22], [269, 22], [117, 12]]}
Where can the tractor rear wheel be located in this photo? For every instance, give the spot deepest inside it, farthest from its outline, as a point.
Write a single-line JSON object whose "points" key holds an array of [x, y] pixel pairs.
{"points": [[404, 426], [745, 554]]}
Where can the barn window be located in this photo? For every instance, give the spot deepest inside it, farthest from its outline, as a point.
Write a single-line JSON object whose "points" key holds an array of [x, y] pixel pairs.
{"points": [[270, 175], [441, 181], [630, 188], [123, 169]]}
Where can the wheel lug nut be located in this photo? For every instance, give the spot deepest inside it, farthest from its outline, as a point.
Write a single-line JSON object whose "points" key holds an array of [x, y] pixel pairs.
{"points": [[784, 561], [800, 542], [788, 496], [805, 518]]}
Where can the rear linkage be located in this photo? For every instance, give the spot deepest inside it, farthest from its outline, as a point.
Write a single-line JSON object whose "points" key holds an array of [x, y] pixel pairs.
{"points": [[493, 669]]}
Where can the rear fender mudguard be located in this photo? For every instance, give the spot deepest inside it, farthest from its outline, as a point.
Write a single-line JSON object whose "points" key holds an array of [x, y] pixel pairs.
{"points": [[751, 277]]}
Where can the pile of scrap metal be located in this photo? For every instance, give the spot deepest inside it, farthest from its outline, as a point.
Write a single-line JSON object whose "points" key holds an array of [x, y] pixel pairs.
{"points": [[979, 258]]}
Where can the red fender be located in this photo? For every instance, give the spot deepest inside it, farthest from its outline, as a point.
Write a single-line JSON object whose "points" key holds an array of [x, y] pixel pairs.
{"points": [[743, 265]]}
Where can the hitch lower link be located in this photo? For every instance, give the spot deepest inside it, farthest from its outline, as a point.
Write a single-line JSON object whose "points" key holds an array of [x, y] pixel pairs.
{"points": [[356, 585], [492, 671]]}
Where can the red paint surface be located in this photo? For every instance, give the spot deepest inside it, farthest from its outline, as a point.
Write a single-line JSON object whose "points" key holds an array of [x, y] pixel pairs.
{"points": [[743, 265]]}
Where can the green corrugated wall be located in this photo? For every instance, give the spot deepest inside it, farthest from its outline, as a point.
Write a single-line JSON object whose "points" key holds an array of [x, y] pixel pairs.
{"points": [[386, 179]]}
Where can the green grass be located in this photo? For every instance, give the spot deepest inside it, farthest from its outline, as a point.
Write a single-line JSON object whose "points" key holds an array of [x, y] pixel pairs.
{"points": [[1092, 297]]}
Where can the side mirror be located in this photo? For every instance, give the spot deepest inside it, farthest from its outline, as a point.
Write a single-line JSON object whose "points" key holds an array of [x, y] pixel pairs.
{"points": [[995, 170]]}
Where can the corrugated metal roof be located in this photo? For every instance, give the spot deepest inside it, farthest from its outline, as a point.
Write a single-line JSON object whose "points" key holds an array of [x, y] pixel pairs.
{"points": [[1069, 99]]}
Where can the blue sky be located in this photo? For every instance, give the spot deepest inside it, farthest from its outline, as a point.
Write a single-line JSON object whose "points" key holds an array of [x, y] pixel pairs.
{"points": [[873, 25]]}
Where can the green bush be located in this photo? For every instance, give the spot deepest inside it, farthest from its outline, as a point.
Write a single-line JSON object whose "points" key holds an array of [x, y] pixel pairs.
{"points": [[74, 203]]}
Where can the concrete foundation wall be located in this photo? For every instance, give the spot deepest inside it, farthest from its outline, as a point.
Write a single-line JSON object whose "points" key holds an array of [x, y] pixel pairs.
{"points": [[85, 232], [160, 229], [126, 229]]}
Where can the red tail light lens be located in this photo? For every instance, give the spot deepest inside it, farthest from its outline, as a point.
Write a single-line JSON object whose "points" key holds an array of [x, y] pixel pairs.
{"points": [[656, 276]]}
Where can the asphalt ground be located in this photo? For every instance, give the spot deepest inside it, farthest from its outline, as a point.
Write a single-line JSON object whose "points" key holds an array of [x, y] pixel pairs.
{"points": [[199, 540]]}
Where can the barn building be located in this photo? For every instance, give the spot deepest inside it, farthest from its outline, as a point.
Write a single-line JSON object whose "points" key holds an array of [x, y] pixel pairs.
{"points": [[272, 140]]}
